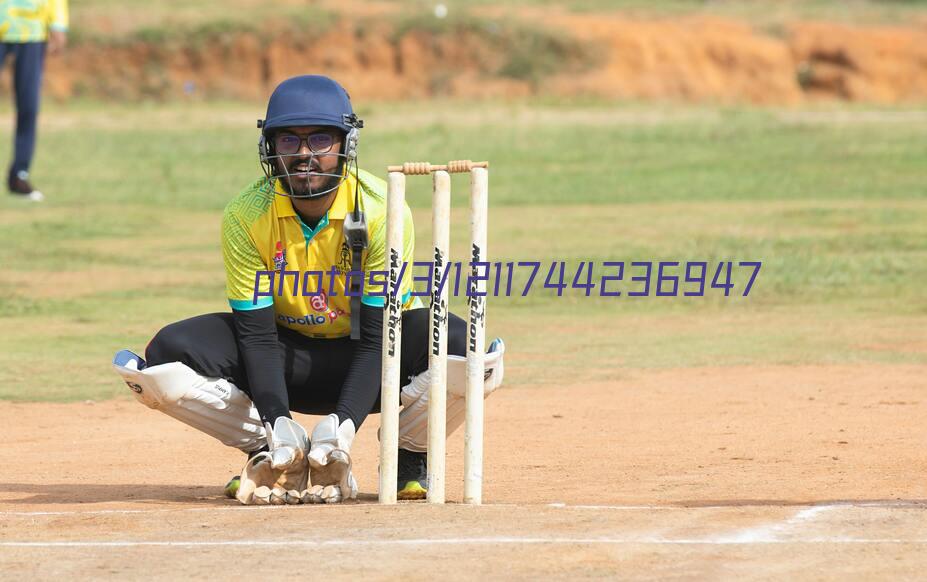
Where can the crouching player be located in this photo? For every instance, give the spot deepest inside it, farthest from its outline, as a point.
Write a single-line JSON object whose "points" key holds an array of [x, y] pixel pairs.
{"points": [[237, 376]]}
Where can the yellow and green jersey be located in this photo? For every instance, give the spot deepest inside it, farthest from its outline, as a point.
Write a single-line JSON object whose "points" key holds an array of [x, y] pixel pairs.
{"points": [[30, 20], [263, 234]]}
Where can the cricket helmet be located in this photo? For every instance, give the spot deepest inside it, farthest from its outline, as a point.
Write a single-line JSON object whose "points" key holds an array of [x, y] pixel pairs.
{"points": [[308, 100]]}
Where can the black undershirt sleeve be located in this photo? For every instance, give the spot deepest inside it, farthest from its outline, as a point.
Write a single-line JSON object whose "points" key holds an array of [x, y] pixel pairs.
{"points": [[257, 341], [362, 385]]}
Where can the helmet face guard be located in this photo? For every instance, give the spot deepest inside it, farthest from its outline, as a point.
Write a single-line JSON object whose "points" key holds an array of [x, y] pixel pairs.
{"points": [[277, 167]]}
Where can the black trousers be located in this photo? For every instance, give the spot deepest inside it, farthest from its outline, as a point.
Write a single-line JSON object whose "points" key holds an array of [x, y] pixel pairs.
{"points": [[314, 369], [27, 82]]}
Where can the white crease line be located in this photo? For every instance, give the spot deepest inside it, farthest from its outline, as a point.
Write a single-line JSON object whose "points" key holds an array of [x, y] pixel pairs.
{"points": [[836, 505], [342, 507], [774, 531], [359, 505], [131, 511], [623, 507], [720, 541]]}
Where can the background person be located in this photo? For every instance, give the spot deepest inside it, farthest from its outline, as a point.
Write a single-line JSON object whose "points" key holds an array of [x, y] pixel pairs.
{"points": [[27, 29]]}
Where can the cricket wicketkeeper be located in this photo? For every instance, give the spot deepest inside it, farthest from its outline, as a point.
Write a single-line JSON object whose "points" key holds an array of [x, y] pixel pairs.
{"points": [[307, 346]]}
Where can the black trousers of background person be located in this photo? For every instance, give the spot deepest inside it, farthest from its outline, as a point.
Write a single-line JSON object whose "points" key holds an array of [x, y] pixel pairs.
{"points": [[314, 369], [29, 60]]}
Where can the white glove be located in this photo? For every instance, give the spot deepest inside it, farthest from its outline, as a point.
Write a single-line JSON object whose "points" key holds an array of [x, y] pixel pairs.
{"points": [[330, 462], [279, 476]]}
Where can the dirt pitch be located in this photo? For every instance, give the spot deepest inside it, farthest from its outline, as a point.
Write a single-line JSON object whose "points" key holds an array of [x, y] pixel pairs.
{"points": [[811, 472]]}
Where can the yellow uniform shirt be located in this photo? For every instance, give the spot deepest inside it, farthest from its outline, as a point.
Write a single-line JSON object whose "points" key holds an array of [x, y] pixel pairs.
{"points": [[30, 20], [261, 233]]}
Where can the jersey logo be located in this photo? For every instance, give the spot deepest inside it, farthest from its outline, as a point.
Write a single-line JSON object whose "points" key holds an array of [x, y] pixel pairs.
{"points": [[280, 257], [319, 302], [344, 261]]}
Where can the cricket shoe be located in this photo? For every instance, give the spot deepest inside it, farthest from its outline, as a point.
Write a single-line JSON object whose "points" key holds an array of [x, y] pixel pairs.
{"points": [[413, 475], [19, 185], [231, 488]]}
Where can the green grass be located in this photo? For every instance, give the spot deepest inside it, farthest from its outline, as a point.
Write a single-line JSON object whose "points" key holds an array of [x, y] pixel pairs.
{"points": [[834, 202], [115, 16], [118, 18], [529, 52], [760, 12]]}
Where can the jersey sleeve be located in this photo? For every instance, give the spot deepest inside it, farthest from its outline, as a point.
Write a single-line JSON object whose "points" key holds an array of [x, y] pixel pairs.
{"points": [[247, 279], [376, 261], [58, 15]]}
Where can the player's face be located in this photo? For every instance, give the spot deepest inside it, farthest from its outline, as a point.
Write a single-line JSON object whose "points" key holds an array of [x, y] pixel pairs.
{"points": [[307, 152]]}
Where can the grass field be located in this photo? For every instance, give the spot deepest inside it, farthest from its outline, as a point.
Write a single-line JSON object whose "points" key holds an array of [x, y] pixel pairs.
{"points": [[832, 201], [118, 17], [777, 435]]}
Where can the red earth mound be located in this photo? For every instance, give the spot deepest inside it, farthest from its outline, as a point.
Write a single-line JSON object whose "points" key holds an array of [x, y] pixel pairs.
{"points": [[686, 59]]}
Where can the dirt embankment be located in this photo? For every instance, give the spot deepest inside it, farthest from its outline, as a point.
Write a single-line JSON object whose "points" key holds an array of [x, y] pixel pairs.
{"points": [[609, 56]]}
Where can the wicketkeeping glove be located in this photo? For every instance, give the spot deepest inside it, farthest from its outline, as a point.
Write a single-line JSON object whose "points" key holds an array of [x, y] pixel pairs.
{"points": [[330, 462], [280, 475]]}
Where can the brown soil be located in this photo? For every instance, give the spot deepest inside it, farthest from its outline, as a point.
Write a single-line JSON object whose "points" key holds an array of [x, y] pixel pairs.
{"points": [[882, 64], [694, 473], [690, 59], [687, 59]]}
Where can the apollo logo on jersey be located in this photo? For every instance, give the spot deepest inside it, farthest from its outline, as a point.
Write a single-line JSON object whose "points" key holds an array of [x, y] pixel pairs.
{"points": [[327, 315], [308, 319]]}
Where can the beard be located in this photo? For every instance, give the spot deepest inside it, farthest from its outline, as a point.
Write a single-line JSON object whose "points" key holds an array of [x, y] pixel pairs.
{"points": [[304, 189], [296, 186]]}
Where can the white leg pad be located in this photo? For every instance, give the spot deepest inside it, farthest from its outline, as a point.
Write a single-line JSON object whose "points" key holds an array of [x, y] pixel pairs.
{"points": [[413, 418], [212, 405]]}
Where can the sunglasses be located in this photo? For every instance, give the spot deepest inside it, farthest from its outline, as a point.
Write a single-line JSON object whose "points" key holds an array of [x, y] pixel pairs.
{"points": [[289, 143]]}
